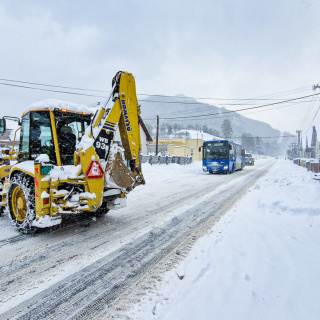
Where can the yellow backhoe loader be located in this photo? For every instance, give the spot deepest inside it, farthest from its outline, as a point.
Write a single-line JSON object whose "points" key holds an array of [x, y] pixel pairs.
{"points": [[69, 161]]}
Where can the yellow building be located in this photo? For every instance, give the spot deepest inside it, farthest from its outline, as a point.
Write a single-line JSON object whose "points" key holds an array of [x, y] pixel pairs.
{"points": [[180, 147]]}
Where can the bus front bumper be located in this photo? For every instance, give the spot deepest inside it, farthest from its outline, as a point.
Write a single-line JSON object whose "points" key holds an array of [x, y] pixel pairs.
{"points": [[223, 168]]}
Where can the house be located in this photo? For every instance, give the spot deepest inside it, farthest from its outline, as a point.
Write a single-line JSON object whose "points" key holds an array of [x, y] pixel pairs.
{"points": [[179, 147], [6, 139]]}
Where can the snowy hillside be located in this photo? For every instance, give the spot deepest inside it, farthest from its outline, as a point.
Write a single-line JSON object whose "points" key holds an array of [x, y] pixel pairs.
{"points": [[169, 108], [180, 114]]}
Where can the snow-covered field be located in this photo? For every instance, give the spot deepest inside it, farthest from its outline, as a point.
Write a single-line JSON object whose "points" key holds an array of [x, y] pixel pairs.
{"points": [[260, 261]]}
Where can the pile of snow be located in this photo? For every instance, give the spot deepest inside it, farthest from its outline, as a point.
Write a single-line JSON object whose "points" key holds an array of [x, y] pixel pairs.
{"points": [[260, 261]]}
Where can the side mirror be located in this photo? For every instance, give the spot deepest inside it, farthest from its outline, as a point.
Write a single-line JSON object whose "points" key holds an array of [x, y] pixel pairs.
{"points": [[200, 149], [3, 126]]}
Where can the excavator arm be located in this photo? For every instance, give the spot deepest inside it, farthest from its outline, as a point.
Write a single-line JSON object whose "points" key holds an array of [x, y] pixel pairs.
{"points": [[105, 168], [99, 144]]}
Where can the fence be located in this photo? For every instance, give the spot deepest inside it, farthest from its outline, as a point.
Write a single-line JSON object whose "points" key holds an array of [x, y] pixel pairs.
{"points": [[166, 160], [315, 167], [311, 164]]}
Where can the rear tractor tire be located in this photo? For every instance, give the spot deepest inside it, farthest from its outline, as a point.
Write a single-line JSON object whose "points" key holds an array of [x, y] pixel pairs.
{"points": [[21, 203]]}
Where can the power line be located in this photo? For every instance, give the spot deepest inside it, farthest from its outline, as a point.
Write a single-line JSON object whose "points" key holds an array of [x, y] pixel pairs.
{"points": [[203, 98], [201, 103], [313, 118], [310, 117], [281, 93], [50, 90], [238, 110], [308, 112], [174, 102], [255, 137], [306, 124], [206, 108], [52, 85], [140, 94]]}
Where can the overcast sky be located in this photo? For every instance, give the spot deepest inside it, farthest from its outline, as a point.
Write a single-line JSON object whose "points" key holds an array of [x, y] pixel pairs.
{"points": [[215, 48]]}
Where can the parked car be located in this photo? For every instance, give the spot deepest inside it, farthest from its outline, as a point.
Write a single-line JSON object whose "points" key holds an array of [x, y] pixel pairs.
{"points": [[249, 160]]}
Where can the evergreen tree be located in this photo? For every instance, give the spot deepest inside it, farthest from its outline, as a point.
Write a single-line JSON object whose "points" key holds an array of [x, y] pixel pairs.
{"points": [[205, 129], [247, 142], [226, 129], [258, 146], [190, 127]]}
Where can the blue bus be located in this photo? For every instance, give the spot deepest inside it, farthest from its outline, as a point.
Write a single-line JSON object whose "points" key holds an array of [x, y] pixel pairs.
{"points": [[222, 156]]}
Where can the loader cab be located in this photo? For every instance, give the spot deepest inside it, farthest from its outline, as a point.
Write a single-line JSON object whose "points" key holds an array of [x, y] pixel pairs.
{"points": [[52, 132], [70, 128], [36, 136]]}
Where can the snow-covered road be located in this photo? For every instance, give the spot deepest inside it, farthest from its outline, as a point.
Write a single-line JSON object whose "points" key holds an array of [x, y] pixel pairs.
{"points": [[85, 266], [260, 261]]}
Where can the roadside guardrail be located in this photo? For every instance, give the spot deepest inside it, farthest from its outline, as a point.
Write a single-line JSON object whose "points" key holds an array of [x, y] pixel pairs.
{"points": [[166, 160]]}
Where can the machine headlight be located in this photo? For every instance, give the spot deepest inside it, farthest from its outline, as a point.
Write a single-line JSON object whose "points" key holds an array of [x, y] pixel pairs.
{"points": [[225, 167], [204, 168]]}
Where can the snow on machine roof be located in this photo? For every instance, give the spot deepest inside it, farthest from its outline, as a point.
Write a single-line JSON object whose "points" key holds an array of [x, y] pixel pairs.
{"points": [[52, 104]]}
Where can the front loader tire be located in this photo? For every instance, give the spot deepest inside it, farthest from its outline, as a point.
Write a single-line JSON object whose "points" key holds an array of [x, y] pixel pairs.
{"points": [[21, 202], [103, 210]]}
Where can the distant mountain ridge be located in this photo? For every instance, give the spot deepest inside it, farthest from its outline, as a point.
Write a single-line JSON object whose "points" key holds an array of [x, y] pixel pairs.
{"points": [[181, 106], [187, 112]]}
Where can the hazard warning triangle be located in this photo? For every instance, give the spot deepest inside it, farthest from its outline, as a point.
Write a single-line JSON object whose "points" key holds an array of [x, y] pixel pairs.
{"points": [[94, 171]]}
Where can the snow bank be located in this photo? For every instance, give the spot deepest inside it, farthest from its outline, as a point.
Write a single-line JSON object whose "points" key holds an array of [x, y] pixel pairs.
{"points": [[260, 261]]}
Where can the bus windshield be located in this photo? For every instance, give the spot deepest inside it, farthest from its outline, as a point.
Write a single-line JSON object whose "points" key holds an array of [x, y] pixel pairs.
{"points": [[216, 150]]}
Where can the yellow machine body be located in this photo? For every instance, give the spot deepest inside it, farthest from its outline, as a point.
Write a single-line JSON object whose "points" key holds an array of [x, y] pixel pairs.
{"points": [[42, 187]]}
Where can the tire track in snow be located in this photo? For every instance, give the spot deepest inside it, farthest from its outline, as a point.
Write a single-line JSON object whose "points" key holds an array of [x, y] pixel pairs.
{"points": [[88, 291], [64, 249], [15, 239]]}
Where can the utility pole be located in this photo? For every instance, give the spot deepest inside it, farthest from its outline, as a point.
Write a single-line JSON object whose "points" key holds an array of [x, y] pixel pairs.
{"points": [[157, 136], [299, 141]]}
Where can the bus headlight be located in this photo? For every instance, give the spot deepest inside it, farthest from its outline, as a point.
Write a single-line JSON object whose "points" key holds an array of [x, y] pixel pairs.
{"points": [[225, 167], [204, 168]]}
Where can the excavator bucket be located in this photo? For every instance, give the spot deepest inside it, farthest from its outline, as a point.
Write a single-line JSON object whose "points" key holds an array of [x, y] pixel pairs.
{"points": [[119, 172]]}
